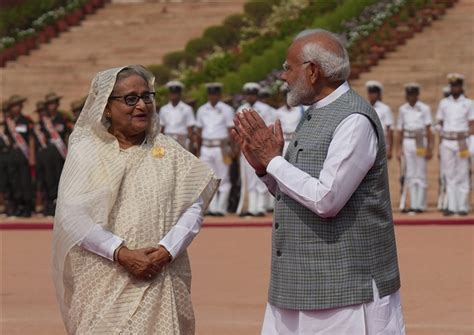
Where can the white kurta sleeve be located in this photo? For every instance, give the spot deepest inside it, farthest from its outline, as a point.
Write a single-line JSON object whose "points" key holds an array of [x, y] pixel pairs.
{"points": [[101, 242], [185, 230], [350, 156]]}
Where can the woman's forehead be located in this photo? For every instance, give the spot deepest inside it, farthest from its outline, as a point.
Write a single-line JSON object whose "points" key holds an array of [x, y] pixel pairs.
{"points": [[132, 82]]}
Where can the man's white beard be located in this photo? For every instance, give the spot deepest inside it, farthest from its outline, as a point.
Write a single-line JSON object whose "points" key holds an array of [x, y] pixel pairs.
{"points": [[298, 93]]}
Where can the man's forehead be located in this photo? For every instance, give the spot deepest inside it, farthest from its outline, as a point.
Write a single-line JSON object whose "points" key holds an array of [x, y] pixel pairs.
{"points": [[293, 51]]}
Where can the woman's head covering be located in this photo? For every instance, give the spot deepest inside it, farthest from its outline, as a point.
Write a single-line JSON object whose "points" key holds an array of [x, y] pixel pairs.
{"points": [[92, 117]]}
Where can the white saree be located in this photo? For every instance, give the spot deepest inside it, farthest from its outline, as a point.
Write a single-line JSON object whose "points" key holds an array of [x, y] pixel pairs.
{"points": [[138, 194]]}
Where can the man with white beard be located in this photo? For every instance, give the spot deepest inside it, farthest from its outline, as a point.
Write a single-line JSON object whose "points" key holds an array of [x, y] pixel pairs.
{"points": [[253, 193], [334, 267]]}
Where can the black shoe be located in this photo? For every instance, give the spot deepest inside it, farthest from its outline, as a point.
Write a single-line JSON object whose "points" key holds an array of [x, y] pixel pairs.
{"points": [[219, 214], [419, 211], [210, 214], [18, 212], [406, 210], [259, 215], [448, 213], [242, 215], [25, 213], [462, 213]]}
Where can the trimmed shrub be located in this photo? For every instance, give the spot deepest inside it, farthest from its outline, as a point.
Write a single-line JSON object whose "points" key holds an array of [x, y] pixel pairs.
{"points": [[223, 36], [199, 46], [218, 67], [258, 11], [235, 22], [162, 73], [175, 59]]}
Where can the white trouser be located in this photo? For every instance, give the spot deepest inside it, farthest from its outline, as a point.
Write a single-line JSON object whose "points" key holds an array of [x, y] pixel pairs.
{"points": [[381, 316], [254, 193], [212, 156], [415, 174], [456, 172]]}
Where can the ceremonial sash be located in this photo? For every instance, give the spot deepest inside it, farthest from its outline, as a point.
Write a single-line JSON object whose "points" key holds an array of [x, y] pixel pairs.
{"points": [[55, 138], [19, 140], [40, 136], [4, 136]]}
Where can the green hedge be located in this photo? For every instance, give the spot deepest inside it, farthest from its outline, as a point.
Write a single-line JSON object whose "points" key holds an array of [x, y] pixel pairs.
{"points": [[20, 16], [262, 43], [262, 63]]}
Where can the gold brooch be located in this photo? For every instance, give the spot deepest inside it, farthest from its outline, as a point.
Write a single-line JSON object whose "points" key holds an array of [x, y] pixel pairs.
{"points": [[158, 152]]}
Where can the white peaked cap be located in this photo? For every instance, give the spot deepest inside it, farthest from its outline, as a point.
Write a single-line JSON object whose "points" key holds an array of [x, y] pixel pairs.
{"points": [[374, 83], [251, 86], [174, 83]]}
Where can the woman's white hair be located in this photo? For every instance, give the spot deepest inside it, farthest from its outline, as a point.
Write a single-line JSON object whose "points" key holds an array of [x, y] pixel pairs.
{"points": [[335, 66]]}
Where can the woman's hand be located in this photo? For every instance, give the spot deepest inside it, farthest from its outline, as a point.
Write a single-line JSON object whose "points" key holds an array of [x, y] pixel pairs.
{"points": [[138, 262], [160, 258]]}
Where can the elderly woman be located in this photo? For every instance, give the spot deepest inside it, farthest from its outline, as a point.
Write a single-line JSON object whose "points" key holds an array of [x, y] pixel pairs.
{"points": [[130, 202]]}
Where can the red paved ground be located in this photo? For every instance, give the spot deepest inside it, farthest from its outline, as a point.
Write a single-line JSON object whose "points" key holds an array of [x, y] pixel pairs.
{"points": [[230, 277]]}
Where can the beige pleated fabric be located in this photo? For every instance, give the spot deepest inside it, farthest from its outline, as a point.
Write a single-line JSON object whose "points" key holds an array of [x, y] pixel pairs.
{"points": [[138, 194]]}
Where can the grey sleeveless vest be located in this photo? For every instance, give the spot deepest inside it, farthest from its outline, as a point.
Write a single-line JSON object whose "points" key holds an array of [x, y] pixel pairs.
{"points": [[320, 263]]}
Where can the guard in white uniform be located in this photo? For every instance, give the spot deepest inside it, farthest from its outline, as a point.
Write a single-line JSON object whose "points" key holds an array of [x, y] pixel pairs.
{"points": [[214, 120], [254, 193], [177, 118], [456, 118], [374, 92], [415, 147], [289, 117], [265, 95]]}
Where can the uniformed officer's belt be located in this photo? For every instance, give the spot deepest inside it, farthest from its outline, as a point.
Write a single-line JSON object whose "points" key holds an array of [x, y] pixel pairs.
{"points": [[178, 137], [454, 135], [213, 143], [288, 136], [413, 133]]}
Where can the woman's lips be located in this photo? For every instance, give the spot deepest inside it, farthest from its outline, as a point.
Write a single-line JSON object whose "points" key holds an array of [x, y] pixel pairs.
{"points": [[140, 116]]}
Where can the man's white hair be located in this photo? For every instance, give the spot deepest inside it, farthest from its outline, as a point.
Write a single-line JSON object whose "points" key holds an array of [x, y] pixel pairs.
{"points": [[335, 66]]}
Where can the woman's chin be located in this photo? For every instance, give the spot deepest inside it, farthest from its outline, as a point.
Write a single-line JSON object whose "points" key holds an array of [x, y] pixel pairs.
{"points": [[140, 126]]}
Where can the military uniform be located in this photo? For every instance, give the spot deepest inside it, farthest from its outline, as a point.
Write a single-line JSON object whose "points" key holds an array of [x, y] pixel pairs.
{"points": [[456, 115], [414, 124], [177, 120], [56, 128], [5, 147], [383, 111], [213, 122], [254, 193], [42, 156], [19, 131]]}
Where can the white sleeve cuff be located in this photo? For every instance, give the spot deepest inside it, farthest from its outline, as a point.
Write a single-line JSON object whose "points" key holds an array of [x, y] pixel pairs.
{"points": [[275, 164], [101, 242], [185, 230]]}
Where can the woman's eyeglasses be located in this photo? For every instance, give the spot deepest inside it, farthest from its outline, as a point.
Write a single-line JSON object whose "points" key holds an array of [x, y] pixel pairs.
{"points": [[132, 99]]}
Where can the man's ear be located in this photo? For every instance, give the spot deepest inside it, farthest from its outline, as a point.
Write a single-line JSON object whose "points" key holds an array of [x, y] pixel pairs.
{"points": [[315, 74]]}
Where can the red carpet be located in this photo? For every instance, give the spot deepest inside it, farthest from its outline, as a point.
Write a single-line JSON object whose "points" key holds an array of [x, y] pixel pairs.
{"points": [[235, 222]]}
